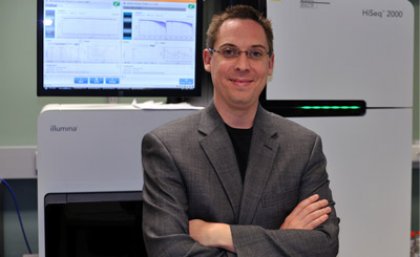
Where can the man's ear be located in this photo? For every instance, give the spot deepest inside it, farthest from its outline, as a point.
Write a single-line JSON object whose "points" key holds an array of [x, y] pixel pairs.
{"points": [[207, 59], [271, 65]]}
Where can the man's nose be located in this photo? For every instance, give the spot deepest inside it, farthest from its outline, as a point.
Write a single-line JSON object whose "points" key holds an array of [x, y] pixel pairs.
{"points": [[242, 61]]}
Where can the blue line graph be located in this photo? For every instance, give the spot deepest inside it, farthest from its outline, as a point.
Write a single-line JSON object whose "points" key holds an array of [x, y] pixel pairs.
{"points": [[164, 30]]}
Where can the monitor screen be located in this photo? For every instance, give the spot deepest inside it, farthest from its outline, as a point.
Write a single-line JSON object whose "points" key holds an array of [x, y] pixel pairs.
{"points": [[119, 48]]}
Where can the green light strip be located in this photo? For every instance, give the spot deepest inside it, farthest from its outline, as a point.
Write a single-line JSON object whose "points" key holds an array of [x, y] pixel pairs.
{"points": [[329, 107]]}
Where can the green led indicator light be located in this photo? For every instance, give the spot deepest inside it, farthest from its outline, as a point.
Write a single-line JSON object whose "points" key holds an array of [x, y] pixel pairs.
{"points": [[330, 107]]}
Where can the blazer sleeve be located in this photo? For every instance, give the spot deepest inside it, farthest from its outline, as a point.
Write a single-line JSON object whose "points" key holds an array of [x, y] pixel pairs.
{"points": [[251, 240], [165, 205]]}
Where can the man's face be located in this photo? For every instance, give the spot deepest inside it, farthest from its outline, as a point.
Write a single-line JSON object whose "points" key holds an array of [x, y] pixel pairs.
{"points": [[238, 81]]}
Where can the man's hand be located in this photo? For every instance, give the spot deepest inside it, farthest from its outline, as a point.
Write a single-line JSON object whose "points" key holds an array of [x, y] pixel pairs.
{"points": [[211, 234], [308, 214]]}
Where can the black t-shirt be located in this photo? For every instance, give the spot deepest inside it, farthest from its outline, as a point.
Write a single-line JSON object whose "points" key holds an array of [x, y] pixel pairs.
{"points": [[241, 140]]}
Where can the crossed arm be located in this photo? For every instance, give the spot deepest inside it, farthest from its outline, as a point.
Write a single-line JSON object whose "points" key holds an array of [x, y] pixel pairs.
{"points": [[307, 215], [311, 228]]}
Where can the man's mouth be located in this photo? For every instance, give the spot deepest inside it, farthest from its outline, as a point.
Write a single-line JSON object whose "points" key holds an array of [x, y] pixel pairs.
{"points": [[241, 81]]}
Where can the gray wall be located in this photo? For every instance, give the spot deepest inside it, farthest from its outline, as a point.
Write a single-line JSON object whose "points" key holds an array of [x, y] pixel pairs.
{"points": [[19, 105], [14, 244], [416, 80]]}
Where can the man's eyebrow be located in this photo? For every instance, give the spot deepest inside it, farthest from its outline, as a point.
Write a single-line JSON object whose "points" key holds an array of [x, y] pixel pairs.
{"points": [[259, 46], [252, 46], [228, 44]]}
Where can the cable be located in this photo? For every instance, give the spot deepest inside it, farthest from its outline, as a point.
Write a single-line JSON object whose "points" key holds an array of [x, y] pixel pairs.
{"points": [[9, 188]]}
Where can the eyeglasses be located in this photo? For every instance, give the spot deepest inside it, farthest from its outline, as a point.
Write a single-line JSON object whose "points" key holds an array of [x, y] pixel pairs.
{"points": [[231, 52]]}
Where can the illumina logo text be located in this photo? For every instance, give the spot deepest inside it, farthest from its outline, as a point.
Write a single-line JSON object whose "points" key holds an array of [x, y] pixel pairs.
{"points": [[55, 128]]}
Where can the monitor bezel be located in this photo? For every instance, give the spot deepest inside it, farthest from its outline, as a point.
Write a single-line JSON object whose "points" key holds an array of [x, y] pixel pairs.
{"points": [[127, 92]]}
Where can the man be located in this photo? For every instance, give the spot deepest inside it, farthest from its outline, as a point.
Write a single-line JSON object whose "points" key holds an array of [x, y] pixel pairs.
{"points": [[234, 179]]}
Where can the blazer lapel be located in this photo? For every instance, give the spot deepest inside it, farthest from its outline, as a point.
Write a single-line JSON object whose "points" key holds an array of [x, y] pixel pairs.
{"points": [[218, 148], [264, 147]]}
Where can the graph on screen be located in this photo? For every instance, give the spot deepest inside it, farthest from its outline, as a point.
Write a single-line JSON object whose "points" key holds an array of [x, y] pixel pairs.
{"points": [[119, 45]]}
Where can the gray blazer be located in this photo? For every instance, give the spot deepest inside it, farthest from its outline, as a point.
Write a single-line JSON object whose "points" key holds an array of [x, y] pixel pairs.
{"points": [[190, 171]]}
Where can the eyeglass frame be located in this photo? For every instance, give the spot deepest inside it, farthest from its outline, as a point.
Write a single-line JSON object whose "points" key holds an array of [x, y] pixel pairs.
{"points": [[239, 52]]}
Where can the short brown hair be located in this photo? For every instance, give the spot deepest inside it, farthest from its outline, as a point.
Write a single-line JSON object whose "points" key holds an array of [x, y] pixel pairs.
{"points": [[239, 12]]}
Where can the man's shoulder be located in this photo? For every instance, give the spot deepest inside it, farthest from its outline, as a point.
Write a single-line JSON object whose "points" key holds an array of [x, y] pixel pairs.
{"points": [[178, 126], [288, 127]]}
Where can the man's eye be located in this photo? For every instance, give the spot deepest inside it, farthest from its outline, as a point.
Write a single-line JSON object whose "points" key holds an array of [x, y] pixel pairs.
{"points": [[229, 52], [255, 53]]}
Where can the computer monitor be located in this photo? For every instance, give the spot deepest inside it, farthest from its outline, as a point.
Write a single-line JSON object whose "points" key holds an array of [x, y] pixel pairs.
{"points": [[119, 48]]}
